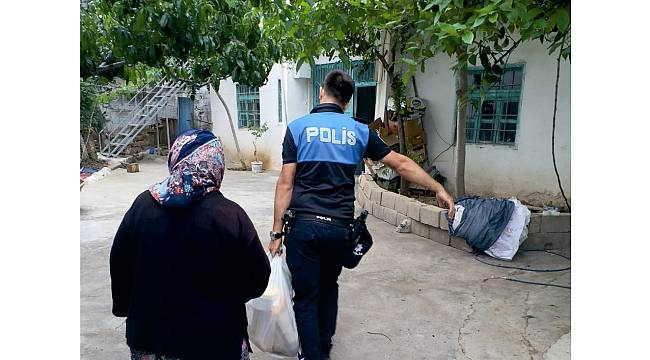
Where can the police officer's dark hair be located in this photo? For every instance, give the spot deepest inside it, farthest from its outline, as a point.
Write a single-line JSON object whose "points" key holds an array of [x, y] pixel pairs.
{"points": [[339, 85]]}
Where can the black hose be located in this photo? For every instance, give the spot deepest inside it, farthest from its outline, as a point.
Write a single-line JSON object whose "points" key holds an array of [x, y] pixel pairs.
{"points": [[529, 269], [477, 258], [533, 282]]}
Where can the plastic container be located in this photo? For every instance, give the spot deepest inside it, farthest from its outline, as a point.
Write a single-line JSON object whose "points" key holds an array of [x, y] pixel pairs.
{"points": [[256, 166]]}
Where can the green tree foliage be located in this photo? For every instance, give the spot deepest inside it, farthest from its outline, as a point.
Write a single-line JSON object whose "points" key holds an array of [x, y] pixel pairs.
{"points": [[197, 41], [90, 115], [486, 32]]}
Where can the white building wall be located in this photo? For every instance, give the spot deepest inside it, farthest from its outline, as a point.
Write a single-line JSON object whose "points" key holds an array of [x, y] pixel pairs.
{"points": [[269, 146], [525, 170]]}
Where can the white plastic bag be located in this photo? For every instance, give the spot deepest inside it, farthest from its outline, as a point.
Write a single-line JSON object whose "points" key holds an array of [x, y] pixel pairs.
{"points": [[98, 175], [513, 235], [404, 226], [458, 215], [271, 321]]}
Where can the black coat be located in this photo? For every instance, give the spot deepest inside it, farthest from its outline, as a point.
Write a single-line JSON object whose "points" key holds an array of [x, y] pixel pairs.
{"points": [[182, 276]]}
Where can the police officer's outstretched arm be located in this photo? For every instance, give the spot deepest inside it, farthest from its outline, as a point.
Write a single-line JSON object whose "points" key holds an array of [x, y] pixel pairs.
{"points": [[283, 190], [412, 172]]}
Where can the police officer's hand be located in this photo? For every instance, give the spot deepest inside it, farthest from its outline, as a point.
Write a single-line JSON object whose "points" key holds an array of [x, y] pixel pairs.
{"points": [[275, 247], [444, 199]]}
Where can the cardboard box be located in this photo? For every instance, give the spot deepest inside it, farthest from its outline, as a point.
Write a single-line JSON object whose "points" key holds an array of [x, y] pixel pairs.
{"points": [[133, 168], [414, 133]]}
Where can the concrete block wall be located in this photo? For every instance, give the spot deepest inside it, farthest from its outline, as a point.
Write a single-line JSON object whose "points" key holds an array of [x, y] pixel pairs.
{"points": [[427, 221]]}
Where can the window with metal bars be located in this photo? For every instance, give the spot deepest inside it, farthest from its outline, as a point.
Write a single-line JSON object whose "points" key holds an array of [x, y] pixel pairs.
{"points": [[248, 106], [495, 118]]}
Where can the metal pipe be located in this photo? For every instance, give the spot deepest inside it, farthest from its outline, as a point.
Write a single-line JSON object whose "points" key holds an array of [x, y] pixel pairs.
{"points": [[157, 135], [169, 146]]}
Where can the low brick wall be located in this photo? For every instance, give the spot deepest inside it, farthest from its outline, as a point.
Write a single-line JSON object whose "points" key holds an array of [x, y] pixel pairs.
{"points": [[428, 221]]}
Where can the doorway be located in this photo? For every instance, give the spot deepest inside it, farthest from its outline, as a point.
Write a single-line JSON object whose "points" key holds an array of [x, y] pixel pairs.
{"points": [[363, 75], [366, 96]]}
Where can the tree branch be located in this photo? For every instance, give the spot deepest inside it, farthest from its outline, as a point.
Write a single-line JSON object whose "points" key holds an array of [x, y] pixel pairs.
{"points": [[381, 58], [192, 82], [509, 51], [103, 67]]}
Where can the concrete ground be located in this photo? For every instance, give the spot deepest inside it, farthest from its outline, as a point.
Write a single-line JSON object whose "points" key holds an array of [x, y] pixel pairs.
{"points": [[410, 298]]}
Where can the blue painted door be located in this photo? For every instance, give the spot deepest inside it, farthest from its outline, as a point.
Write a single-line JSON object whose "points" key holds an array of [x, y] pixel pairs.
{"points": [[185, 111], [362, 76]]}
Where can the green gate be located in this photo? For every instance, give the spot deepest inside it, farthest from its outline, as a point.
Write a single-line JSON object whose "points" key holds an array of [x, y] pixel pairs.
{"points": [[362, 73]]}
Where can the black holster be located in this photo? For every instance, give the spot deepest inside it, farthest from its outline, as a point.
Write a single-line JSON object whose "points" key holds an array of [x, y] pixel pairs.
{"points": [[359, 242], [288, 220]]}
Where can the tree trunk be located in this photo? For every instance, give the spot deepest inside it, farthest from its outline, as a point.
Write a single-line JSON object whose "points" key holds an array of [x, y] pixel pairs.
{"points": [[403, 183], [232, 129], [92, 149], [84, 150], [398, 97], [460, 133]]}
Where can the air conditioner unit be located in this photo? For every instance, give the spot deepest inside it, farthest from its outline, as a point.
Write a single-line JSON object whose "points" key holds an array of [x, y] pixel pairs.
{"points": [[303, 73]]}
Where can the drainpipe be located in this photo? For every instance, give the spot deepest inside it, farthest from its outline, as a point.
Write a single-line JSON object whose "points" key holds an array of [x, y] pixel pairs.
{"points": [[283, 81]]}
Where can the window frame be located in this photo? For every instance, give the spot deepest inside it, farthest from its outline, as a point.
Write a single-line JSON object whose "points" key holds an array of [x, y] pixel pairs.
{"points": [[247, 95], [500, 97]]}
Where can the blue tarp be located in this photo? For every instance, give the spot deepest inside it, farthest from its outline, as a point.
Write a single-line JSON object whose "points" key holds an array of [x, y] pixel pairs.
{"points": [[88, 170], [483, 220]]}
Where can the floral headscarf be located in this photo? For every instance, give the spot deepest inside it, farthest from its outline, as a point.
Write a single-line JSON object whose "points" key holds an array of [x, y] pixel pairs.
{"points": [[196, 167]]}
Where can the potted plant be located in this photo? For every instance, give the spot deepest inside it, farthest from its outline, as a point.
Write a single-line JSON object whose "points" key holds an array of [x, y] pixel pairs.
{"points": [[257, 132]]}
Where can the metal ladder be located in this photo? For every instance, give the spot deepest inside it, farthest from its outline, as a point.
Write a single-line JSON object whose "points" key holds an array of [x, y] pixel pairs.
{"points": [[145, 112]]}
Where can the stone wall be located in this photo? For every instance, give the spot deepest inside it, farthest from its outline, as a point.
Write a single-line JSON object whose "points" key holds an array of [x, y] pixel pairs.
{"points": [[428, 221]]}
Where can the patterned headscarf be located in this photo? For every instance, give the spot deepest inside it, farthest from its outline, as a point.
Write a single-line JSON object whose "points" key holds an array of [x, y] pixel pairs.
{"points": [[196, 167]]}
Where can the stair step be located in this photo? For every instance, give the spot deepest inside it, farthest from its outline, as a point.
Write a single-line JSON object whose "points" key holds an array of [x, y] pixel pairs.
{"points": [[124, 134]]}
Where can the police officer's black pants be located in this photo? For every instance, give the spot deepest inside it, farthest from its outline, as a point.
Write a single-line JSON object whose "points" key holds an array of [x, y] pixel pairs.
{"points": [[314, 256]]}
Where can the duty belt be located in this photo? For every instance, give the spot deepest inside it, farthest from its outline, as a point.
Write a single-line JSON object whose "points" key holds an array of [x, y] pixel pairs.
{"points": [[324, 219]]}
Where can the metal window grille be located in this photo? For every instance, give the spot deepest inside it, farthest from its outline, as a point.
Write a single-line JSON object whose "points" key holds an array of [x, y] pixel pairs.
{"points": [[495, 119], [248, 106], [363, 74]]}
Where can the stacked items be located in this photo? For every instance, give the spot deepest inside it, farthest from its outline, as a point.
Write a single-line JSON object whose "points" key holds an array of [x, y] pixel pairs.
{"points": [[414, 135]]}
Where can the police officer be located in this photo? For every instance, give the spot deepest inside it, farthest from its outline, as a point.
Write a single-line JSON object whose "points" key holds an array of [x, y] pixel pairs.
{"points": [[320, 154]]}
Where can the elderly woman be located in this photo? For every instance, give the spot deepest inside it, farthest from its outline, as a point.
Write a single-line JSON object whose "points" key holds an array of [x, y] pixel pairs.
{"points": [[185, 260]]}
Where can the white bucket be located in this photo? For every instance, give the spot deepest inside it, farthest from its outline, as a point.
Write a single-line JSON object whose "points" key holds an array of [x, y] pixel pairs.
{"points": [[256, 166]]}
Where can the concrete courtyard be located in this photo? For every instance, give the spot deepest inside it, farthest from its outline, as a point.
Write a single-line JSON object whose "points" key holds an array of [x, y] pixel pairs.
{"points": [[410, 298]]}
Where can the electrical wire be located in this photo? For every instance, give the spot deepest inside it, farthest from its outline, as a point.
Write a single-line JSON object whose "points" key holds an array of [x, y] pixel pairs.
{"points": [[443, 151], [440, 136], [477, 258], [529, 282], [557, 80]]}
